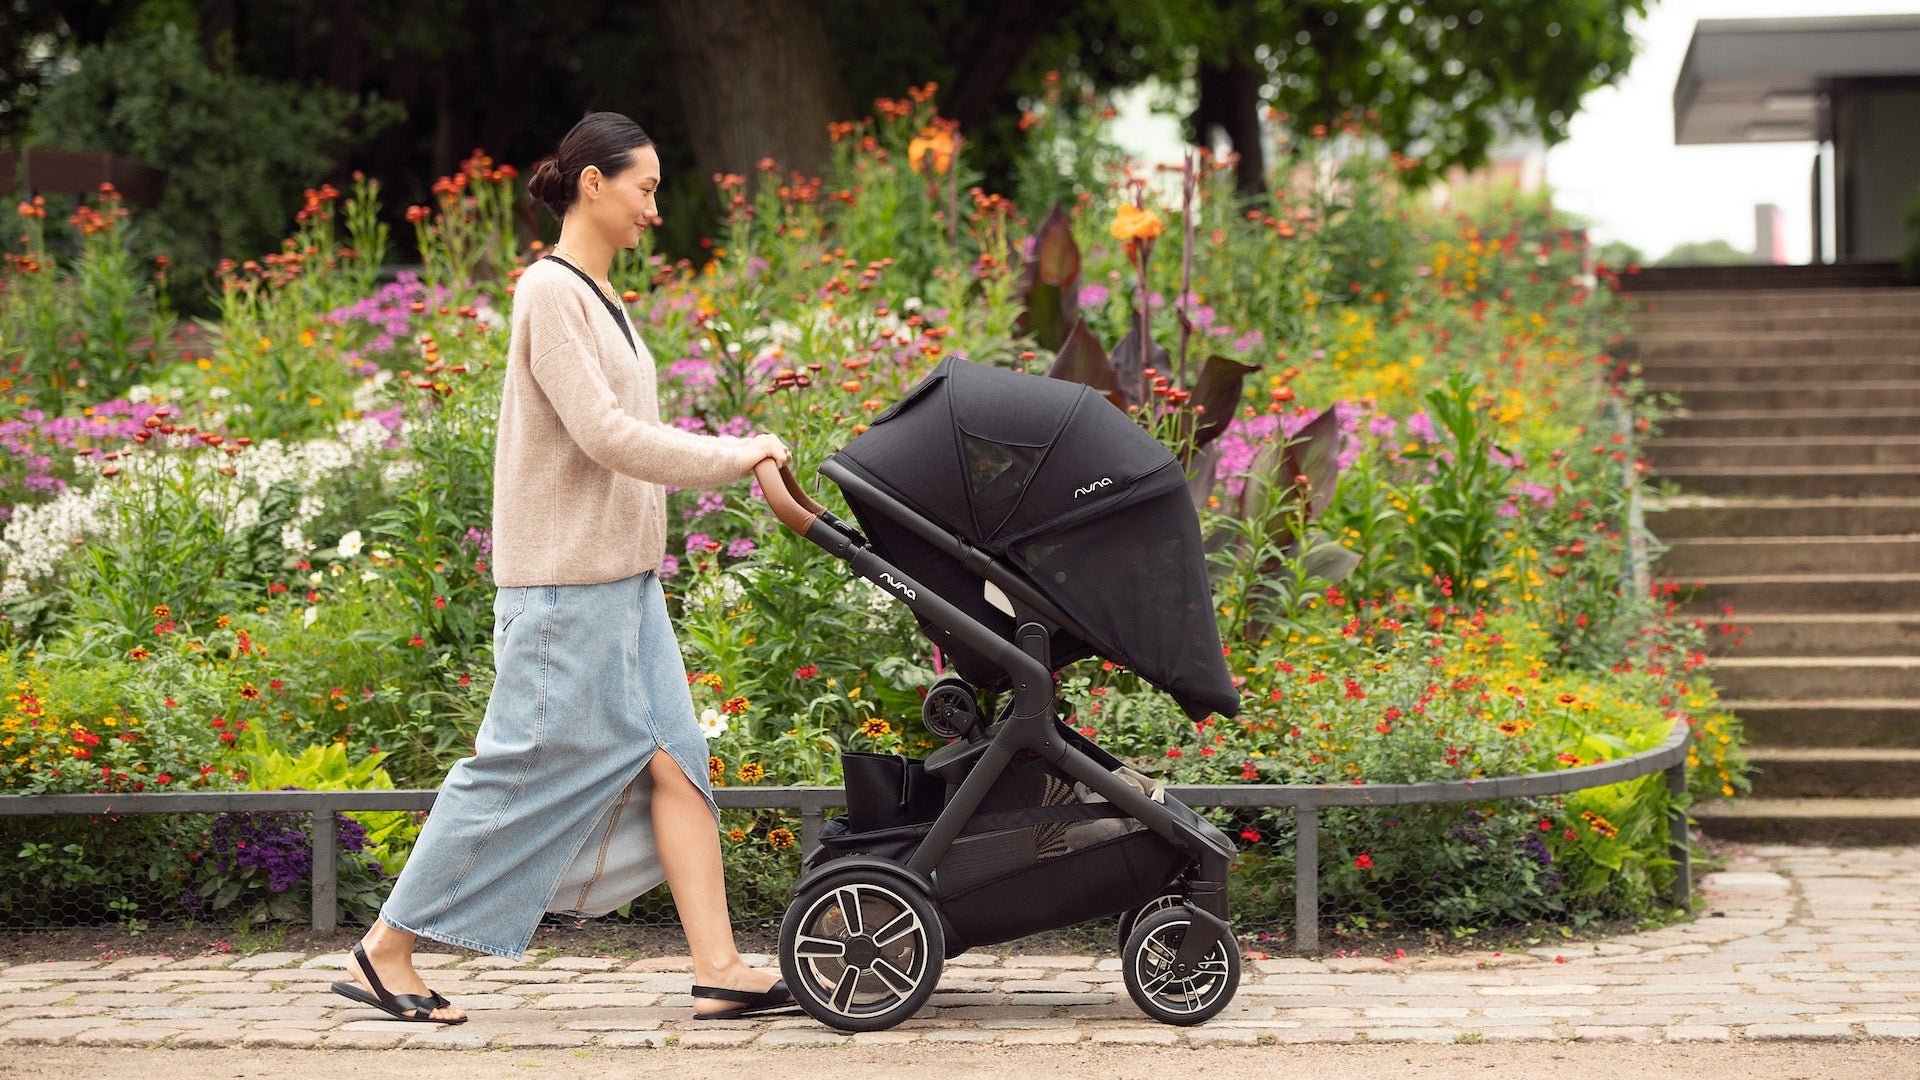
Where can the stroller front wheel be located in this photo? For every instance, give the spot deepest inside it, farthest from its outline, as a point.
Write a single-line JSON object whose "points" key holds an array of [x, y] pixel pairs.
{"points": [[1168, 991], [861, 951]]}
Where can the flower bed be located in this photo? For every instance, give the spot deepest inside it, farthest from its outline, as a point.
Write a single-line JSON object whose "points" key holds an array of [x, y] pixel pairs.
{"points": [[1411, 451]]}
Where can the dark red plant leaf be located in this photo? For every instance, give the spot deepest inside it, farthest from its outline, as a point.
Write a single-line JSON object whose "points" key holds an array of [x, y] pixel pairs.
{"points": [[1217, 391], [1130, 363], [1083, 360], [1049, 283]]}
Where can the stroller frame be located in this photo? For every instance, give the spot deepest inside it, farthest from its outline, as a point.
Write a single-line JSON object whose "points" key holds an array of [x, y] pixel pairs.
{"points": [[1030, 723]]}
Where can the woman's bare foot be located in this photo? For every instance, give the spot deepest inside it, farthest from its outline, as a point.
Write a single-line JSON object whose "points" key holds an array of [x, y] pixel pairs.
{"points": [[390, 952], [736, 976]]}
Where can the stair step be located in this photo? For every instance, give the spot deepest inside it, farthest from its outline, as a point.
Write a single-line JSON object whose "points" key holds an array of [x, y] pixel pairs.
{"points": [[1819, 593], [1821, 450], [1711, 555], [1791, 371], [1674, 517], [1802, 481], [1776, 396], [1818, 635], [1770, 300], [1851, 721], [1848, 822], [1708, 322], [1756, 423], [1895, 343], [1824, 772], [1798, 678]]}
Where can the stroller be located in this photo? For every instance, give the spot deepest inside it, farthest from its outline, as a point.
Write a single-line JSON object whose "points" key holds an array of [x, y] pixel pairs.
{"points": [[1027, 523]]}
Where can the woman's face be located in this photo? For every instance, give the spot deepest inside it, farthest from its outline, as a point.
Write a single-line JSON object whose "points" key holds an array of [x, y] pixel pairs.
{"points": [[623, 206]]}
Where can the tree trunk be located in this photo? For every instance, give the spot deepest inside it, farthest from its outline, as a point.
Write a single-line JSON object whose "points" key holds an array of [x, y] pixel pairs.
{"points": [[758, 80], [1230, 101], [1012, 30]]}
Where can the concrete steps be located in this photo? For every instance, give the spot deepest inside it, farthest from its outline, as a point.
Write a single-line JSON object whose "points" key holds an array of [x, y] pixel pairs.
{"points": [[1791, 470], [1790, 423], [1840, 822], [1878, 554], [1836, 722], [1803, 678], [1816, 772], [1696, 516], [1805, 634], [1779, 452]]}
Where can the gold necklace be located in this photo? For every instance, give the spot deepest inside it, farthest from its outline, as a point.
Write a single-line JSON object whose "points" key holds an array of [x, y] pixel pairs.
{"points": [[605, 287]]}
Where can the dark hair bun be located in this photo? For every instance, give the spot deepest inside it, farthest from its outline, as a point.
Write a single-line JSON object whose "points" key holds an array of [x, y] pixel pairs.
{"points": [[546, 185], [605, 140]]}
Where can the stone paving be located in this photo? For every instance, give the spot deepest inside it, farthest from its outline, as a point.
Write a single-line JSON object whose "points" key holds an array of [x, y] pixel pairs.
{"points": [[1791, 943]]}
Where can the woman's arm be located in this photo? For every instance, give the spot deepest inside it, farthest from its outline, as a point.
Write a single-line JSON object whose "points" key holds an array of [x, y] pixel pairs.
{"points": [[569, 373]]}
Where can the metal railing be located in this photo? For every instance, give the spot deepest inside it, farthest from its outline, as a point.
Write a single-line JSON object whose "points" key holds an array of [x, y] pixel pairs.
{"points": [[1306, 802]]}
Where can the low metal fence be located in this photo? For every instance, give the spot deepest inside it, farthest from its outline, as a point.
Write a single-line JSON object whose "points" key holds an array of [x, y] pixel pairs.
{"points": [[812, 803]]}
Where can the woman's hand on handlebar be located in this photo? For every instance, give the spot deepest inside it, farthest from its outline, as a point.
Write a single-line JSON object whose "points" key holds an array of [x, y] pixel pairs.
{"points": [[762, 447]]}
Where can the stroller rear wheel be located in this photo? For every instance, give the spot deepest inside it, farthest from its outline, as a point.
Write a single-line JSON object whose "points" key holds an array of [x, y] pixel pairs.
{"points": [[1165, 989], [861, 950]]}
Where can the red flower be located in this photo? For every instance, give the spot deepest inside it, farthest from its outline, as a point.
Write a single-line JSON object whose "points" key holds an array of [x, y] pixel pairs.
{"points": [[417, 641], [164, 778], [1364, 862], [805, 671], [1251, 836], [1173, 751]]}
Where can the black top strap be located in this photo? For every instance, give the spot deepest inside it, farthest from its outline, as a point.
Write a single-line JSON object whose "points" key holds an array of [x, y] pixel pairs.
{"points": [[626, 329]]}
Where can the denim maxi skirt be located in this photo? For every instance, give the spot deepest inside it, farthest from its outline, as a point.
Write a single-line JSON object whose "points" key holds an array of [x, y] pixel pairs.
{"points": [[554, 810]]}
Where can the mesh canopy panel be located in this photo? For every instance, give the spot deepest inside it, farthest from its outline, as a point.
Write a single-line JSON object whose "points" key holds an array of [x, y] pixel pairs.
{"points": [[1050, 478]]}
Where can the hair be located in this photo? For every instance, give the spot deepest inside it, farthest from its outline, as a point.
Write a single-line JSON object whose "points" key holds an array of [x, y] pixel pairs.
{"points": [[605, 140]]}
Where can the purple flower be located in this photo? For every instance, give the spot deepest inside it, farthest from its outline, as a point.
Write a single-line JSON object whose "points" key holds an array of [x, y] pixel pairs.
{"points": [[1092, 295], [697, 542], [1382, 426], [1502, 458], [669, 566], [739, 548], [1420, 426], [1541, 496], [481, 540]]}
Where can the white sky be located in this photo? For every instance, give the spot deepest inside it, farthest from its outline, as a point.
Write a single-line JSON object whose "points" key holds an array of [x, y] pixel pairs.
{"points": [[1619, 167]]}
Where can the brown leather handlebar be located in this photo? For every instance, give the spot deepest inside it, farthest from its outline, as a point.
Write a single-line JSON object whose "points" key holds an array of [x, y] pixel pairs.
{"points": [[795, 509]]}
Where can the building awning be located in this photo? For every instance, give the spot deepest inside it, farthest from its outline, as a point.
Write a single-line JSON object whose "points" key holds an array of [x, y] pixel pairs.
{"points": [[1764, 80]]}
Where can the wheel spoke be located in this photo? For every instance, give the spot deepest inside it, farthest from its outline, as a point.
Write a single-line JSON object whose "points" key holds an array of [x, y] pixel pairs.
{"points": [[902, 925], [898, 981], [849, 901], [1152, 986], [808, 945], [1160, 951], [843, 993]]}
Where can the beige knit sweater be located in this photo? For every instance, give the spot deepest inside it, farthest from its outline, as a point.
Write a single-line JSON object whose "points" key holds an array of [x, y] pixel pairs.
{"points": [[582, 464]]}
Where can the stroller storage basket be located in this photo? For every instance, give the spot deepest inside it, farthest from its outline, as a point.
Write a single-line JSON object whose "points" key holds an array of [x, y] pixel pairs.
{"points": [[998, 887], [886, 791]]}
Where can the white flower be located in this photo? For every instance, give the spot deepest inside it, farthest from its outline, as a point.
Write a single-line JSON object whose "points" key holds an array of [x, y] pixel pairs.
{"points": [[315, 578], [712, 724], [350, 544], [308, 616], [370, 576], [138, 393]]}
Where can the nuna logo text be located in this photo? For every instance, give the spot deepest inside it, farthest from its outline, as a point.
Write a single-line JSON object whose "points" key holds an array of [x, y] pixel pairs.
{"points": [[1105, 481], [903, 587]]}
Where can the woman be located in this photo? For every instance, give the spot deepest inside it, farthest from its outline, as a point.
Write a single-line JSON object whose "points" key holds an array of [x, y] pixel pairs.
{"points": [[588, 783]]}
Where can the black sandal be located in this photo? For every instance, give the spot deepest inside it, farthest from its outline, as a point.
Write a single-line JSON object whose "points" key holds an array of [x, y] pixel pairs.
{"points": [[410, 1007], [752, 1003]]}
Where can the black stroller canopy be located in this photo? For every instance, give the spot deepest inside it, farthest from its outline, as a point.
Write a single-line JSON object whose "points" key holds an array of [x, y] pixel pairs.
{"points": [[1050, 478]]}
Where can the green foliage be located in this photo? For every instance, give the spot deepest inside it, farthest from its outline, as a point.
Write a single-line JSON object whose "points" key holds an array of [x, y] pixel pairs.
{"points": [[1705, 253], [236, 147]]}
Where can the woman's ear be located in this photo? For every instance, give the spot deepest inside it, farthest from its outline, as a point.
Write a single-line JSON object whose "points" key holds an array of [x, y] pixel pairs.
{"points": [[590, 178]]}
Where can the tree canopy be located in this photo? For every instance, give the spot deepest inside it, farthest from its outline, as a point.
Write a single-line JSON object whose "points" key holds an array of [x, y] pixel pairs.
{"points": [[724, 81]]}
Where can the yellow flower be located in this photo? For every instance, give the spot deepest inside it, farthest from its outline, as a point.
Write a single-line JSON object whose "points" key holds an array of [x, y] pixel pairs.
{"points": [[876, 728], [752, 772], [780, 838], [736, 835], [935, 141], [1133, 223]]}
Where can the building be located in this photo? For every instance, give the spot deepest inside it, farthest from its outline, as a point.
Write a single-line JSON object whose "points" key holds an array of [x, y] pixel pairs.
{"points": [[1850, 84]]}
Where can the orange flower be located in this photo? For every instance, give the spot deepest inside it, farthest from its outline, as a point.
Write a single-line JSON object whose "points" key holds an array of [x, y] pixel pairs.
{"points": [[935, 141], [780, 838], [1133, 223]]}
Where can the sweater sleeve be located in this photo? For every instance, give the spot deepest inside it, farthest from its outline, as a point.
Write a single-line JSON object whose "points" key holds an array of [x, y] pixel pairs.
{"points": [[569, 372]]}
